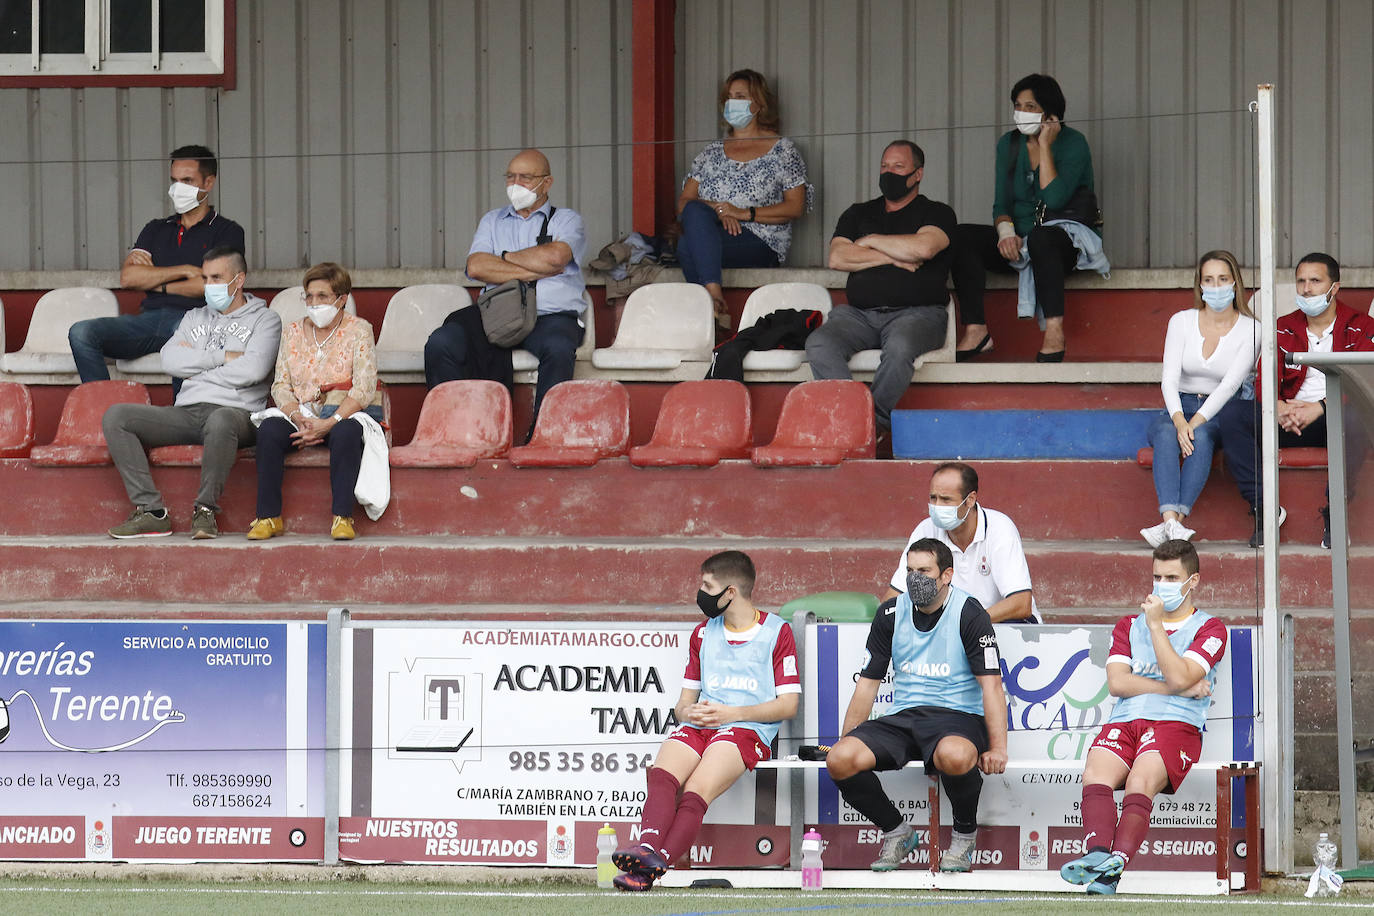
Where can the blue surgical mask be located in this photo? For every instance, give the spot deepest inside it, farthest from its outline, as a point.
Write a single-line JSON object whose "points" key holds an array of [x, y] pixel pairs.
{"points": [[947, 518], [1219, 298], [1171, 593], [1314, 305], [217, 295], [737, 113]]}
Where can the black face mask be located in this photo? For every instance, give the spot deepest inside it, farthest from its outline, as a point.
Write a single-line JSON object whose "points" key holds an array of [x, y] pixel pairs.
{"points": [[894, 186], [708, 602]]}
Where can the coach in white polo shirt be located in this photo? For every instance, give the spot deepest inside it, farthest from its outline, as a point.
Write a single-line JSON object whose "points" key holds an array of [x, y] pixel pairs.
{"points": [[989, 563]]}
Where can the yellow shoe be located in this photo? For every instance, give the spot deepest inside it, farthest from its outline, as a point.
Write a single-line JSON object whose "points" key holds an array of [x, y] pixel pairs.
{"points": [[342, 529], [264, 528]]}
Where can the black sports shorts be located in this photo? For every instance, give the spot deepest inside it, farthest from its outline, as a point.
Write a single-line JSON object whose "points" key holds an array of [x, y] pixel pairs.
{"points": [[913, 734]]}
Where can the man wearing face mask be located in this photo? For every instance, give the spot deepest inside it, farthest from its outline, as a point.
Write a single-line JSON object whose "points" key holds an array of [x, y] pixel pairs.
{"points": [[1321, 324], [164, 262], [224, 353], [948, 707], [741, 681], [533, 241], [895, 248], [989, 561], [1161, 669]]}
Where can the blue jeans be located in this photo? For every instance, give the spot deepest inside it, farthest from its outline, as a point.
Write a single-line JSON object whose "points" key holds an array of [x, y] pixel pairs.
{"points": [[705, 246], [1178, 488], [123, 337]]}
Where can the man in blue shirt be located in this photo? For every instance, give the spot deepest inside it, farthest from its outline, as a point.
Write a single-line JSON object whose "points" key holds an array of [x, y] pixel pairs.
{"points": [[528, 240], [948, 708], [165, 262]]}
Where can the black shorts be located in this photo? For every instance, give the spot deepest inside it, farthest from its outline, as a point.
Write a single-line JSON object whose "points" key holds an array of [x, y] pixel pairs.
{"points": [[913, 734]]}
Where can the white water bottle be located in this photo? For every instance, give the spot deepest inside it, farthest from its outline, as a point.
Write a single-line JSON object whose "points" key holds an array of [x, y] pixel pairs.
{"points": [[1325, 882], [605, 846], [813, 870]]}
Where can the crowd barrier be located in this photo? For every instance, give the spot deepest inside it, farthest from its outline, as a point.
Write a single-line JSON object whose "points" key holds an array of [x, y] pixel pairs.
{"points": [[512, 743]]}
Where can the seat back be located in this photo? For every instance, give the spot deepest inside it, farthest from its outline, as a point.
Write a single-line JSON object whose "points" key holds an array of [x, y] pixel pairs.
{"points": [[667, 316], [706, 414], [46, 348], [591, 414], [289, 304], [414, 313], [468, 414], [774, 296], [829, 414], [85, 407], [16, 420]]}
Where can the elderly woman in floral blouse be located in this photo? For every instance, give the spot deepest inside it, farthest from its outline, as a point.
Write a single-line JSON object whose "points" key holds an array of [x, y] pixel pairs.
{"points": [[326, 372], [741, 193]]}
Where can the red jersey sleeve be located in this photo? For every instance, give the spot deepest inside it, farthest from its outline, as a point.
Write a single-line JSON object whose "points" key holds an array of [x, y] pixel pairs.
{"points": [[786, 677], [1121, 641], [691, 678], [1208, 645]]}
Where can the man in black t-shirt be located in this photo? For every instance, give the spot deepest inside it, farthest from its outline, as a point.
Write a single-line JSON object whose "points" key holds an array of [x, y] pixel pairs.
{"points": [[896, 249], [948, 708]]}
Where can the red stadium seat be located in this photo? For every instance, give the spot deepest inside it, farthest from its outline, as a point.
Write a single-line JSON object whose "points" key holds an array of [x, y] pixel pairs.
{"points": [[1296, 457], [16, 420], [80, 441], [460, 423], [580, 422], [699, 424], [822, 423]]}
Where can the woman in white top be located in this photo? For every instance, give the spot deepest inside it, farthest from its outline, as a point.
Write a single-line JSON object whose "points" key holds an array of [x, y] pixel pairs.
{"points": [[1209, 357]]}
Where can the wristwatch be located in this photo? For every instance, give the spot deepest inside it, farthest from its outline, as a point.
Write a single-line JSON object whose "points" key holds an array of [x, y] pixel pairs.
{"points": [[753, 213]]}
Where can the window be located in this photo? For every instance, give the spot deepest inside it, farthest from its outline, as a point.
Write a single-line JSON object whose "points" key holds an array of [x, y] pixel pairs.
{"points": [[116, 42]]}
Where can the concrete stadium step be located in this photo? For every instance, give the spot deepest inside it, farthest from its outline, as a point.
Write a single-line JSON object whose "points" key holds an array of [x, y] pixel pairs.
{"points": [[554, 572], [1048, 500]]}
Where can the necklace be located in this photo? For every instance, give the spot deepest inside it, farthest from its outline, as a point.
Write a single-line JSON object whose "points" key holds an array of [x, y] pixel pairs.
{"points": [[319, 344]]}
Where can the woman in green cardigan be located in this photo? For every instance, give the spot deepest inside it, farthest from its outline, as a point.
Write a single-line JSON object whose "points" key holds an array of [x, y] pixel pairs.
{"points": [[1043, 166]]}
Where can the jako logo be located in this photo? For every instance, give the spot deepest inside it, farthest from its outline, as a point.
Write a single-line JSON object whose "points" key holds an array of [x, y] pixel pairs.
{"points": [[924, 670], [732, 682]]}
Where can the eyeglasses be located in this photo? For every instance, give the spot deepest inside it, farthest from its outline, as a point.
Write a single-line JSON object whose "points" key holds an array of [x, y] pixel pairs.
{"points": [[524, 177], [319, 298]]}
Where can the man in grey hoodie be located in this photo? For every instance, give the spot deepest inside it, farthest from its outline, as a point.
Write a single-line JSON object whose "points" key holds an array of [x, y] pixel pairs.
{"points": [[224, 352]]}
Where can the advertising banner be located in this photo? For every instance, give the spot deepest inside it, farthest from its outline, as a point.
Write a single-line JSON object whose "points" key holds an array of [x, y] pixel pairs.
{"points": [[1055, 683], [137, 740], [514, 744]]}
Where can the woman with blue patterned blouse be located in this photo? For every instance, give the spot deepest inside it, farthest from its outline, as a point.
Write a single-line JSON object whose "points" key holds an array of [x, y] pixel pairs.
{"points": [[741, 193]]}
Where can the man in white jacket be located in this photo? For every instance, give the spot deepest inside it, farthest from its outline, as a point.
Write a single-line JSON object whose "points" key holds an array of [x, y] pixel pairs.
{"points": [[224, 352]]}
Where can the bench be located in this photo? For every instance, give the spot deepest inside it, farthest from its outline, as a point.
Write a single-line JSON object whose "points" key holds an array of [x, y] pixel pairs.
{"points": [[1226, 834]]}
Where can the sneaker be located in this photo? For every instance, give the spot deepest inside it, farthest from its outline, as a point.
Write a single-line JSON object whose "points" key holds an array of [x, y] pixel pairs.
{"points": [[1257, 539], [959, 855], [896, 847], [1112, 866], [264, 528], [203, 523], [342, 529], [1326, 527], [1083, 870], [1104, 884], [143, 524], [1175, 531], [632, 882], [1156, 534], [642, 861]]}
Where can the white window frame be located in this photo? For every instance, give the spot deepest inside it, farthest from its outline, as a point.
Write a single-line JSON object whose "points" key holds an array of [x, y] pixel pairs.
{"points": [[97, 58]]}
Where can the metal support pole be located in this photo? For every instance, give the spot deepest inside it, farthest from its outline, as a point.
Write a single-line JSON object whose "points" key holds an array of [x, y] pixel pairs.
{"points": [[1278, 837], [1340, 617], [333, 679], [796, 779]]}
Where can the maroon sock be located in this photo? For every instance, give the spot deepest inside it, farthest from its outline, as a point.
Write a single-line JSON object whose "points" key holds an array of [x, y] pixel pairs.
{"points": [[1099, 817], [685, 826], [660, 807], [1135, 821]]}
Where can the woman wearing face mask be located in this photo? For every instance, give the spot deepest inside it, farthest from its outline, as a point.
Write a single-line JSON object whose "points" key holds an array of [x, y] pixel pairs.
{"points": [[1209, 358], [741, 193], [326, 372], [1044, 174]]}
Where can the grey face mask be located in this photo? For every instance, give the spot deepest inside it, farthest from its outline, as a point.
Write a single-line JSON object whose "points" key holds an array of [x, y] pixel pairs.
{"points": [[922, 589]]}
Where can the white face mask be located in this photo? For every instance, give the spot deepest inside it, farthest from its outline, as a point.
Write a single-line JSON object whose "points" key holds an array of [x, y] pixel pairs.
{"points": [[321, 315], [521, 197], [1028, 122], [185, 197], [1314, 305]]}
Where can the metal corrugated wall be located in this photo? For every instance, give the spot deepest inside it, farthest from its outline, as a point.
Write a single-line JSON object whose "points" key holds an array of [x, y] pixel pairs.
{"points": [[852, 75], [364, 130], [372, 132]]}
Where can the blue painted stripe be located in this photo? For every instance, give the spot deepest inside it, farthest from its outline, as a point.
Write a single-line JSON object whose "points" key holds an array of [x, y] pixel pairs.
{"points": [[827, 715], [1030, 434], [1243, 707]]}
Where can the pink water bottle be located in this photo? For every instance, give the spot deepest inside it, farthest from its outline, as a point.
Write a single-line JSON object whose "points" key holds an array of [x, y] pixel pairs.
{"points": [[812, 869]]}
